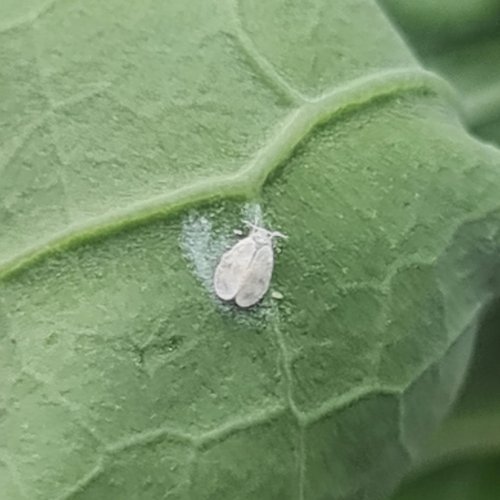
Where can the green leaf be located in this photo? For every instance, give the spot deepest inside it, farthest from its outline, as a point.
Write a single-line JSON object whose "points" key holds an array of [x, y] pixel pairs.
{"points": [[463, 457], [460, 41], [473, 67], [432, 26], [475, 479], [481, 390], [134, 140]]}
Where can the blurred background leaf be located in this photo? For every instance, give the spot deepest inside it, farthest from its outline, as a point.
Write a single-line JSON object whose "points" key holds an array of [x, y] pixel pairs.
{"points": [[460, 40], [476, 479], [463, 462]]}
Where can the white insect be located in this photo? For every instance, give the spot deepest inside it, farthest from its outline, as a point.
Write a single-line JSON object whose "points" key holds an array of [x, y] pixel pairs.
{"points": [[244, 272]]}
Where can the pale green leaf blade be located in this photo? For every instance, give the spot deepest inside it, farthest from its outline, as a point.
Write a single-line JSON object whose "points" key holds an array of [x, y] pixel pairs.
{"points": [[132, 142]]}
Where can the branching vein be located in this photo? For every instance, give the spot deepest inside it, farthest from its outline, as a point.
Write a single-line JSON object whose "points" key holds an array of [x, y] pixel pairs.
{"points": [[261, 64], [250, 178]]}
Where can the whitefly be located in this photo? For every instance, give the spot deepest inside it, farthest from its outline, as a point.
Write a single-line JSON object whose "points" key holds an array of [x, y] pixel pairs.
{"points": [[244, 272]]}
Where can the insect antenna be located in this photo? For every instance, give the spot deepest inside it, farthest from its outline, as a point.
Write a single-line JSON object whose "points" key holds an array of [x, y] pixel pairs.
{"points": [[274, 234], [253, 225], [277, 234]]}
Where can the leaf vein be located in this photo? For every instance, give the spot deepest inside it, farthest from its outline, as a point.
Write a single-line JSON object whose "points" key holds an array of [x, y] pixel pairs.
{"points": [[47, 94], [260, 62], [31, 18], [83, 482], [246, 182]]}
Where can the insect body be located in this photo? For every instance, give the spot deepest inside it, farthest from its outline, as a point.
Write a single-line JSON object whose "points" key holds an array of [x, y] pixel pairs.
{"points": [[244, 272]]}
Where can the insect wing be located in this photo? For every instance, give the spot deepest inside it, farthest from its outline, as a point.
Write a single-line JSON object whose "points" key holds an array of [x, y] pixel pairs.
{"points": [[232, 268], [256, 282]]}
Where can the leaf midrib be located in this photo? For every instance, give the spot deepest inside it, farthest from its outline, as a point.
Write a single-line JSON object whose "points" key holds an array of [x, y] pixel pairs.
{"points": [[248, 180]]}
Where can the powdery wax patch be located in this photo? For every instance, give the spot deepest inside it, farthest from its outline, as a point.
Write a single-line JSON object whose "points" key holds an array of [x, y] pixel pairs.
{"points": [[244, 272], [202, 245], [205, 236]]}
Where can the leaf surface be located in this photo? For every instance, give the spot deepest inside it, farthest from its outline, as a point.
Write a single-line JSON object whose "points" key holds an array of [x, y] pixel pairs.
{"points": [[134, 140], [460, 41]]}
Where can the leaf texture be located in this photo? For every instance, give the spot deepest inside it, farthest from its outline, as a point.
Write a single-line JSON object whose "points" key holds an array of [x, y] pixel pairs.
{"points": [[134, 137]]}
